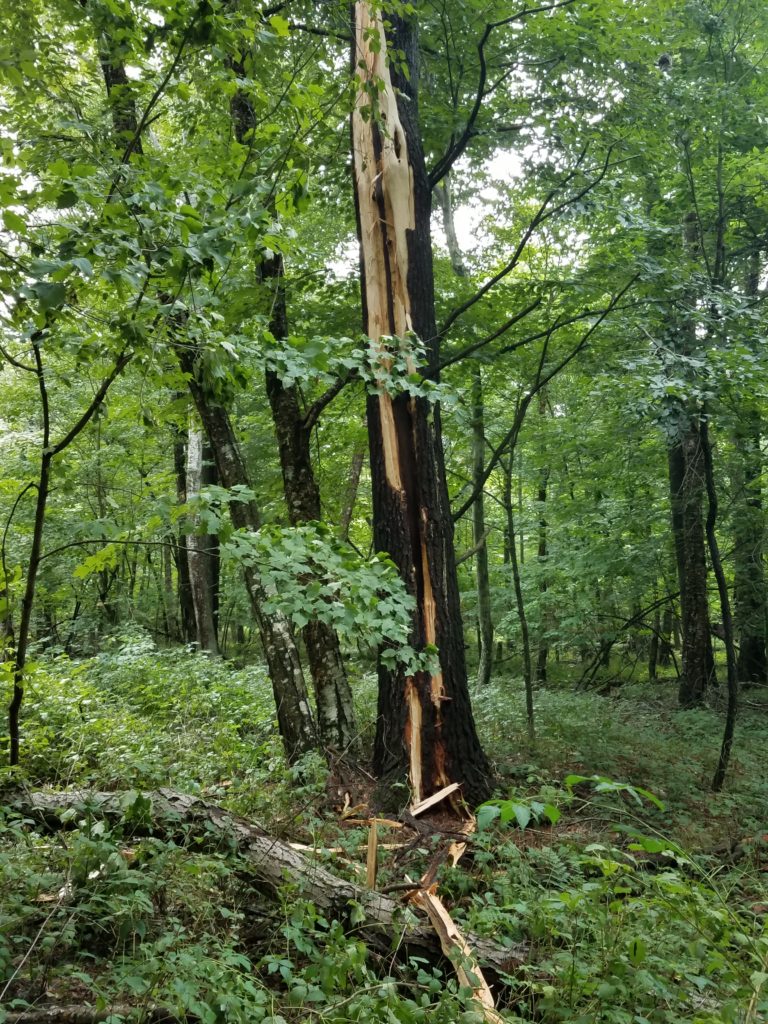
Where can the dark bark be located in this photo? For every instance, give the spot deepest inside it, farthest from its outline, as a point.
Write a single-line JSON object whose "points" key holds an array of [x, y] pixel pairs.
{"points": [[350, 497], [335, 709], [725, 610], [333, 695], [749, 586], [686, 474], [425, 721], [653, 647], [519, 601], [186, 605], [542, 553], [202, 550], [293, 711], [482, 575], [666, 638]]}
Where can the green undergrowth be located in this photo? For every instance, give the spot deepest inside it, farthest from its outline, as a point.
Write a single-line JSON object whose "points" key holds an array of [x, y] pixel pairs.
{"points": [[626, 892]]}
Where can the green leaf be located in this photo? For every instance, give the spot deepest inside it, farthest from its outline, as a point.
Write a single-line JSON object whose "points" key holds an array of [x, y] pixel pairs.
{"points": [[14, 222], [50, 294]]}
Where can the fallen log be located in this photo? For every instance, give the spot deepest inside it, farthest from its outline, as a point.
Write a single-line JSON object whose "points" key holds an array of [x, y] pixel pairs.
{"points": [[79, 1014], [206, 827]]}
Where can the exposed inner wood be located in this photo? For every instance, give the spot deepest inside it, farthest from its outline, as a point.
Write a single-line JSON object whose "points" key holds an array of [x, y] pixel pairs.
{"points": [[436, 798], [458, 950], [385, 193]]}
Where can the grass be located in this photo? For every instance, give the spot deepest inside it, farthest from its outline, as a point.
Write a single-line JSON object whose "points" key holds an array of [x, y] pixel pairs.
{"points": [[632, 913]]}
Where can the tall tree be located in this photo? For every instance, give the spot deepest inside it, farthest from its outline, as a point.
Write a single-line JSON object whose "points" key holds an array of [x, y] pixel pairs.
{"points": [[425, 724]]}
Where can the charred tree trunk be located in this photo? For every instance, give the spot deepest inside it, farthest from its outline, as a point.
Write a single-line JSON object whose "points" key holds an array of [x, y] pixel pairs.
{"points": [[200, 552], [293, 711], [425, 724]]}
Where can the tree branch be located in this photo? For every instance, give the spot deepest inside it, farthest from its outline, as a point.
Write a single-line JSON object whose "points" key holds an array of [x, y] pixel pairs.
{"points": [[457, 146], [122, 361], [544, 213]]}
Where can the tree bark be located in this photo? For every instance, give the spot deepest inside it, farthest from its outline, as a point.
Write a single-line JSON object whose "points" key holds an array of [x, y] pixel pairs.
{"points": [[350, 497], [525, 636], [293, 711], [686, 475], [202, 552], [333, 695], [186, 605], [542, 553], [484, 619], [749, 586], [425, 724]]}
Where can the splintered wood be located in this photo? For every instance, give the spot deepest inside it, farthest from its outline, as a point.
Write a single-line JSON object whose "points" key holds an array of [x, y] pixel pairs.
{"points": [[458, 950]]}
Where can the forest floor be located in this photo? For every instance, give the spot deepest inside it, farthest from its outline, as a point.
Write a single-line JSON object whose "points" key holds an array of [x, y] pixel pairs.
{"points": [[638, 895]]}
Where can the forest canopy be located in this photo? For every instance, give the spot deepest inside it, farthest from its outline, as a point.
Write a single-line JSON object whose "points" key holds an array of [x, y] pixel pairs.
{"points": [[383, 611]]}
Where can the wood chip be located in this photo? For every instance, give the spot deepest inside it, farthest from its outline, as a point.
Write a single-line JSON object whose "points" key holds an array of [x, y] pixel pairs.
{"points": [[436, 798], [372, 859], [456, 948]]}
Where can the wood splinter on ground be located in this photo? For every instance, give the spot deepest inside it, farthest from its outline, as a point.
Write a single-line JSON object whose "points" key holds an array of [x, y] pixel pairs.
{"points": [[459, 952]]}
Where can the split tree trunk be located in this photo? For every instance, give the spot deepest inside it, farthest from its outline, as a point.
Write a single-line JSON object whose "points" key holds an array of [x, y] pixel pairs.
{"points": [[425, 724]]}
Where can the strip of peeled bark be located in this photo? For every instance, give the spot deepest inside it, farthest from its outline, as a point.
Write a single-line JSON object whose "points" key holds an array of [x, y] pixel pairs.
{"points": [[294, 714], [178, 817], [425, 724]]}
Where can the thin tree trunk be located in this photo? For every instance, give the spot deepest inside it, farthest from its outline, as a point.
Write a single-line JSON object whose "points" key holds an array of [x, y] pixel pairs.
{"points": [[199, 551], [686, 467], [749, 585], [425, 724], [653, 647], [542, 553], [479, 533], [725, 610], [519, 601], [333, 695], [186, 604], [293, 711], [484, 620], [350, 496], [665, 642]]}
